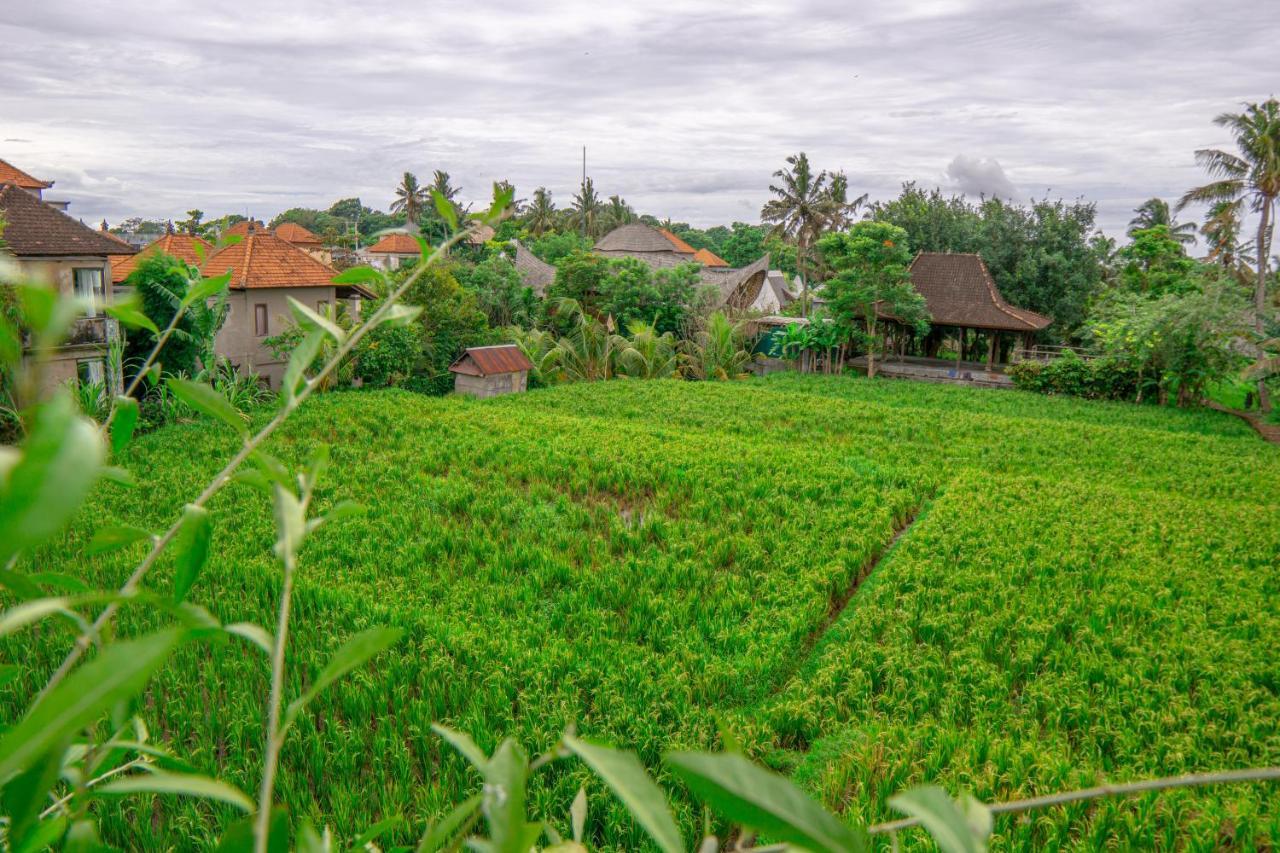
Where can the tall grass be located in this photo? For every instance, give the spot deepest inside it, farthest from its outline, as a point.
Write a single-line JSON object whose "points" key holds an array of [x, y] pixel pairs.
{"points": [[1084, 595]]}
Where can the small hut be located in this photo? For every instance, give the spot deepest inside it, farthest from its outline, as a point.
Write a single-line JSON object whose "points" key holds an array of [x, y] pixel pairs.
{"points": [[961, 297], [490, 371]]}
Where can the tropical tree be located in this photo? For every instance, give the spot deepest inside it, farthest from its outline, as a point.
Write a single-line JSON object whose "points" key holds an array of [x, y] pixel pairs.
{"points": [[1155, 211], [1221, 230], [646, 354], [194, 224], [801, 210], [843, 208], [1252, 173], [588, 351], [540, 214], [617, 212], [717, 350], [871, 263], [587, 213], [410, 198]]}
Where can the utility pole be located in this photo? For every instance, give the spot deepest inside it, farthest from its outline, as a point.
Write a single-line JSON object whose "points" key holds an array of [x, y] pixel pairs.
{"points": [[584, 190]]}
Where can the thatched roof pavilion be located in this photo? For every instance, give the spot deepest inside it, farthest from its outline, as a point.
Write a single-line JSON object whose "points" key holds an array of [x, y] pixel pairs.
{"points": [[961, 295]]}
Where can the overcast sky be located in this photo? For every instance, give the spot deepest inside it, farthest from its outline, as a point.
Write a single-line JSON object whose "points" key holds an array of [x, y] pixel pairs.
{"points": [[146, 107]]}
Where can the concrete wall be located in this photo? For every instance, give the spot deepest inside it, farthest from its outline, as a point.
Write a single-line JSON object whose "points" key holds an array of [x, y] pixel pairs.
{"points": [[490, 386], [238, 340], [61, 364]]}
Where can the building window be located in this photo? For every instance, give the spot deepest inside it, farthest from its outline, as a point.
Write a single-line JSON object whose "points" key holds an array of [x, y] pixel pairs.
{"points": [[260, 320], [88, 286], [91, 371], [322, 307]]}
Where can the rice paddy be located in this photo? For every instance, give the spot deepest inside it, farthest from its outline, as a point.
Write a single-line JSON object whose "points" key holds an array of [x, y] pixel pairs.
{"points": [[1083, 591]]}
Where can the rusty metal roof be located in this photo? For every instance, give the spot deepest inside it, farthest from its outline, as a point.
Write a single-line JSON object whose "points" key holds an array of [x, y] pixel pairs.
{"points": [[487, 361]]}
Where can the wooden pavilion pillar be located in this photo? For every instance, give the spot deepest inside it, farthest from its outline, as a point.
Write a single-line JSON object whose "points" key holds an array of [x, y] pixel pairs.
{"points": [[992, 337]]}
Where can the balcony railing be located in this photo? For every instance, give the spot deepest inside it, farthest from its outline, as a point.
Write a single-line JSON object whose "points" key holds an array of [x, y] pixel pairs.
{"points": [[87, 331]]}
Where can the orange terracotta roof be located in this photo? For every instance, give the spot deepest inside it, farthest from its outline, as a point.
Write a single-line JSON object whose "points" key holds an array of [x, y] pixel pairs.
{"points": [[10, 174], [264, 260], [681, 246], [180, 246], [708, 258], [396, 243], [297, 235], [241, 228]]}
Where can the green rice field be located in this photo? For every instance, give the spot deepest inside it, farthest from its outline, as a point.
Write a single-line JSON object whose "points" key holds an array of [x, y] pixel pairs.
{"points": [[873, 584]]}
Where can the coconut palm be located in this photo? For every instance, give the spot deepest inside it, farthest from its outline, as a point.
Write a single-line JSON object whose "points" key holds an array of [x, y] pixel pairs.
{"points": [[441, 185], [800, 212], [1253, 173], [589, 350], [717, 351], [647, 354], [843, 208], [410, 198], [587, 213], [617, 212], [1221, 230], [1155, 211], [540, 215]]}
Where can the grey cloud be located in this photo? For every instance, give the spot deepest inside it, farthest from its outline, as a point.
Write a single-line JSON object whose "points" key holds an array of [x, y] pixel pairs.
{"points": [[684, 113], [976, 176]]}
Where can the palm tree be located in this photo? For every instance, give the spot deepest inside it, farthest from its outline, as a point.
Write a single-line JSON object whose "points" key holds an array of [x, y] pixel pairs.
{"points": [[1155, 211], [616, 213], [1221, 230], [842, 209], [1253, 174], [540, 215], [647, 354], [587, 212], [410, 198], [801, 210], [440, 185]]}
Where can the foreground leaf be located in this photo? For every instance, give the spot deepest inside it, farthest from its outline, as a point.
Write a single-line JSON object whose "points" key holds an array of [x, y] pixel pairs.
{"points": [[118, 673], [353, 653], [206, 400], [191, 545], [114, 538], [438, 835], [462, 742], [124, 423], [60, 461], [183, 784], [944, 819], [626, 776], [753, 797]]}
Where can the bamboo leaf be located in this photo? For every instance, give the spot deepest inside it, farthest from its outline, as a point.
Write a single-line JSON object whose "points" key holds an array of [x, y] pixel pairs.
{"points": [[204, 399], [401, 315], [462, 742], [115, 537], [124, 423], [626, 776], [309, 319], [300, 360], [191, 544], [255, 634], [438, 835], [353, 653], [128, 313], [753, 797], [118, 673], [945, 821], [445, 208], [357, 275], [161, 782], [45, 486], [206, 287]]}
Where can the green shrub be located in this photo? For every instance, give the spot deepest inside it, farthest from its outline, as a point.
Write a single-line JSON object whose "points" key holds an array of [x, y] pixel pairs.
{"points": [[1095, 379]]}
